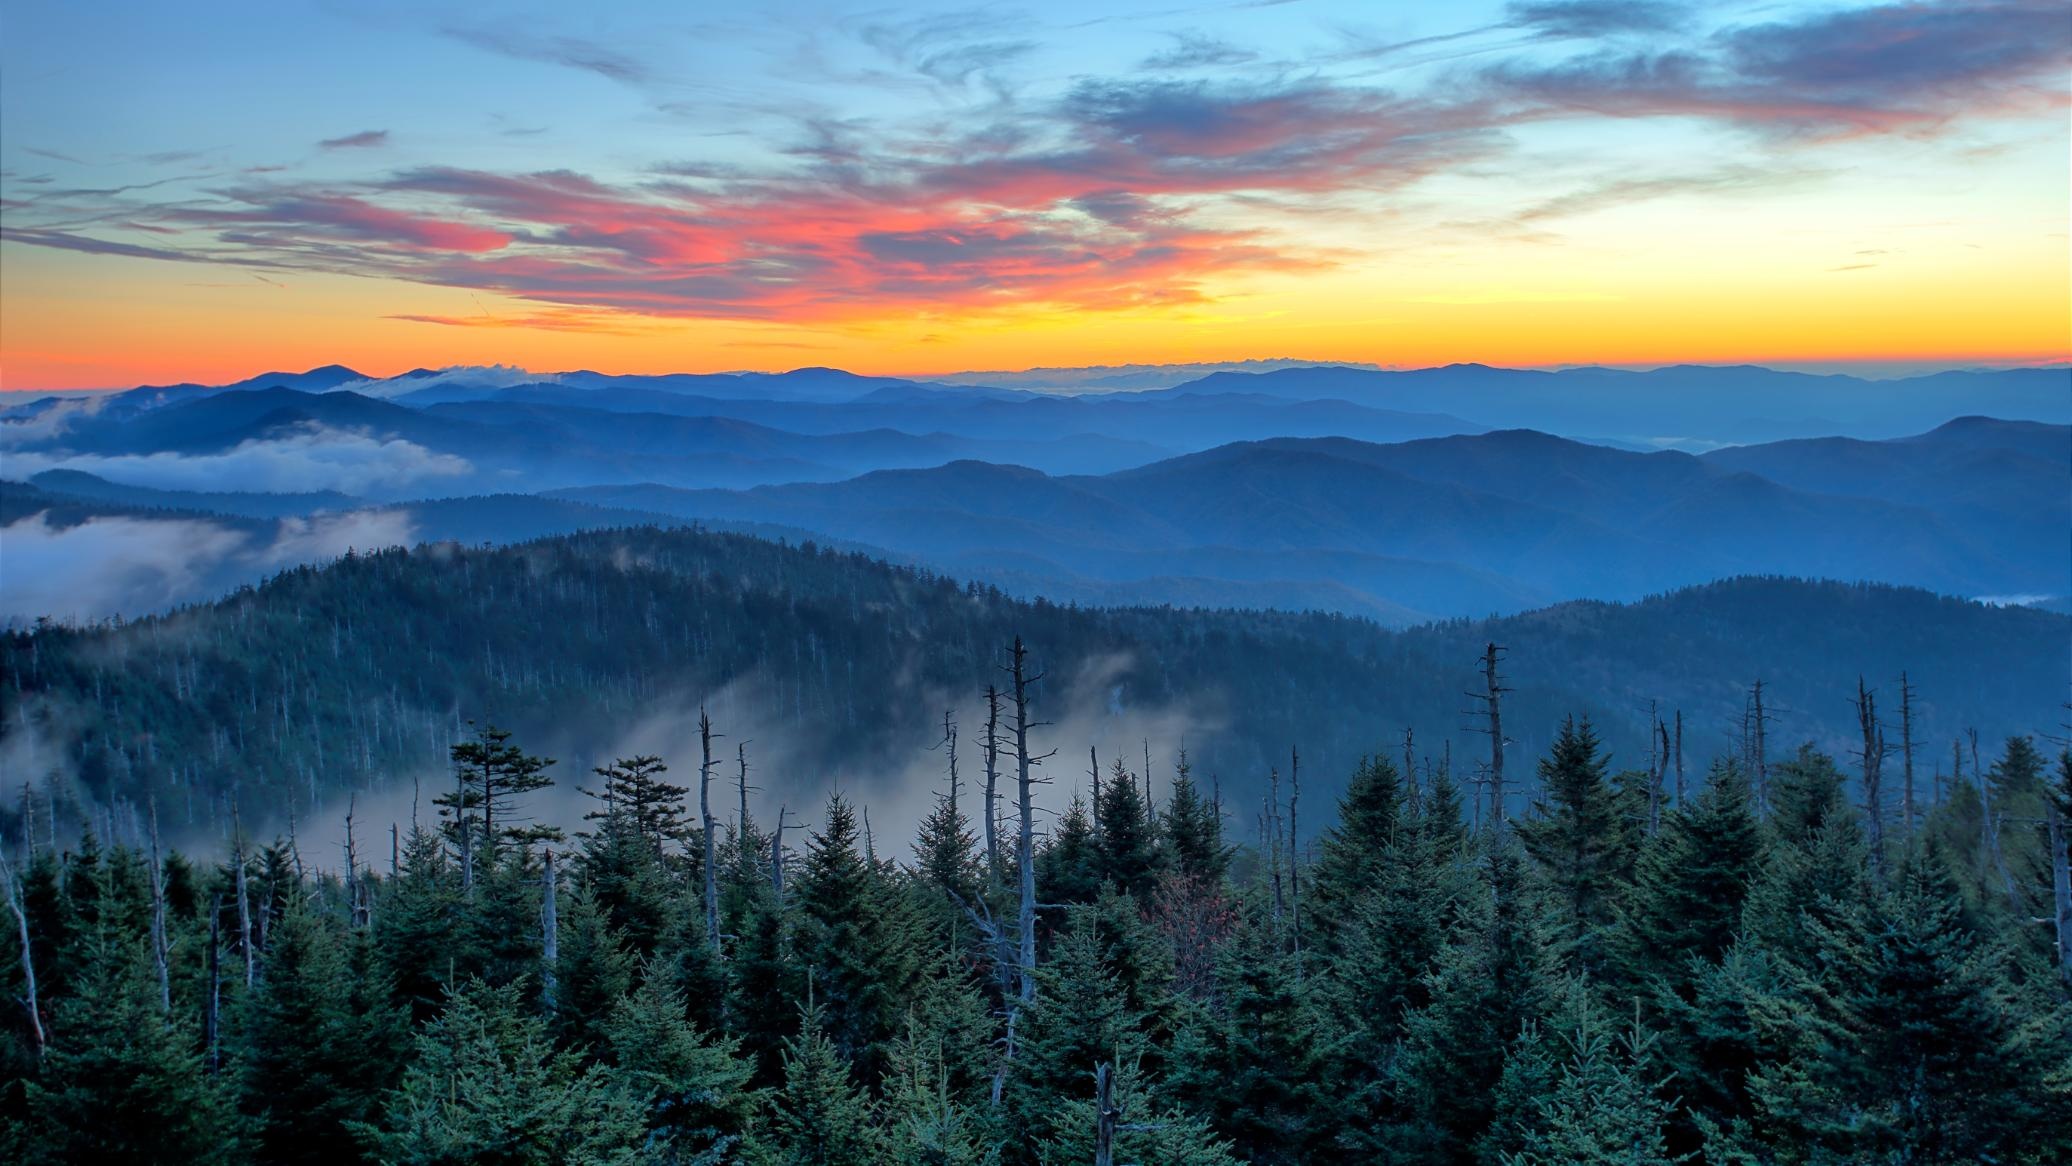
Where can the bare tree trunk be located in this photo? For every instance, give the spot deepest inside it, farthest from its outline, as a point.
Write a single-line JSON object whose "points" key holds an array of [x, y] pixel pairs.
{"points": [[777, 856], [1873, 765], [705, 820], [12, 890], [212, 1019], [2061, 875], [1104, 1115], [1492, 700], [1150, 804], [1294, 848], [1679, 758], [158, 932], [1093, 771], [550, 935], [1906, 753], [244, 904], [1410, 769], [741, 782], [1025, 844], [992, 755]]}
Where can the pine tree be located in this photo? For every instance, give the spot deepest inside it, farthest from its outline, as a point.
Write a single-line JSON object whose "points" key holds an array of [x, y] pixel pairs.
{"points": [[1355, 847], [857, 944], [1192, 834], [487, 1086], [120, 1082], [1127, 843], [1069, 867], [633, 790], [593, 973], [1491, 982], [1580, 842], [1689, 885], [316, 1049], [1604, 1106], [1914, 1044], [822, 1117], [1255, 1065], [696, 1088], [1079, 1019]]}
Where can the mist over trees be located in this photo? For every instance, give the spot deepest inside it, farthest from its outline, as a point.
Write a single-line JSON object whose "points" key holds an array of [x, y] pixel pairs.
{"points": [[358, 677], [1738, 958]]}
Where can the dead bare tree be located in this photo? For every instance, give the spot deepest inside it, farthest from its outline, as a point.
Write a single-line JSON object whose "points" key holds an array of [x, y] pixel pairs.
{"points": [[992, 756], [711, 857], [1906, 753], [1755, 742], [1025, 844], [1294, 853], [1410, 786], [1873, 756], [777, 856], [11, 890], [244, 900], [550, 935], [1493, 712], [159, 955]]}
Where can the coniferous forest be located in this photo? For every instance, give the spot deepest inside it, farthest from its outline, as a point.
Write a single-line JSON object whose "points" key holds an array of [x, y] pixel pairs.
{"points": [[1785, 965]]}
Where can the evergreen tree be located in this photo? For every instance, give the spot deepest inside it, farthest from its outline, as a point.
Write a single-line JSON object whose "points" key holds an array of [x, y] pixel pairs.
{"points": [[1127, 844], [1192, 833], [857, 944], [699, 1104], [633, 791], [1256, 1064], [487, 1086], [1580, 842], [317, 1048], [1604, 1106], [121, 1082], [821, 1117], [1689, 886], [1356, 845], [1068, 868], [1913, 1043]]}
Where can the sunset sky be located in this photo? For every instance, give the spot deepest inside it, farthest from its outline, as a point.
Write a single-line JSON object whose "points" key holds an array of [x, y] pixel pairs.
{"points": [[203, 193]]}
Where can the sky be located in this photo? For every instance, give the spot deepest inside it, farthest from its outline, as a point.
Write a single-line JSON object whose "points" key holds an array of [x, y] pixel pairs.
{"points": [[201, 193]]}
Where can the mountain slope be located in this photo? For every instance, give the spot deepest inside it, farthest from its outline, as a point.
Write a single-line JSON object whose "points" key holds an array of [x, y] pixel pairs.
{"points": [[359, 673]]}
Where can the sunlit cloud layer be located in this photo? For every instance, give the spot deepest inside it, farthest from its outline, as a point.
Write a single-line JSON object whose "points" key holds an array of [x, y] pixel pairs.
{"points": [[893, 175]]}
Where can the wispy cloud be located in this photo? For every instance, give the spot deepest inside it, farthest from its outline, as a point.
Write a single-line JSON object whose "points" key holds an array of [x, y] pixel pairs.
{"points": [[1145, 189], [365, 139]]}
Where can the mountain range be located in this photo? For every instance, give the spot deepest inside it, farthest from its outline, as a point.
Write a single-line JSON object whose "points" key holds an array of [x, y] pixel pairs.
{"points": [[1353, 490]]}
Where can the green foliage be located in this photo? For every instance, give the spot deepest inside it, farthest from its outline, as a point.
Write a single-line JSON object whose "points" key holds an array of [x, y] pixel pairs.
{"points": [[486, 1085], [1452, 998], [122, 1082], [1581, 841]]}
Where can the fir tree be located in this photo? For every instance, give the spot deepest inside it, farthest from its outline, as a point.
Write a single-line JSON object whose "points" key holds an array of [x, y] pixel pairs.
{"points": [[1579, 840], [487, 1086], [120, 1081], [316, 1048]]}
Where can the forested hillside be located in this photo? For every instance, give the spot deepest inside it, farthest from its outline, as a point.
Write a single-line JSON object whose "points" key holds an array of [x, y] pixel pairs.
{"points": [[1748, 973], [837, 669]]}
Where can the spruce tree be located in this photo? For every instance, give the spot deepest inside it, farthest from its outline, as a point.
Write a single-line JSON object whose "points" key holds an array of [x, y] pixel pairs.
{"points": [[1580, 842], [487, 1086], [821, 1117], [315, 1050], [696, 1088], [121, 1081]]}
